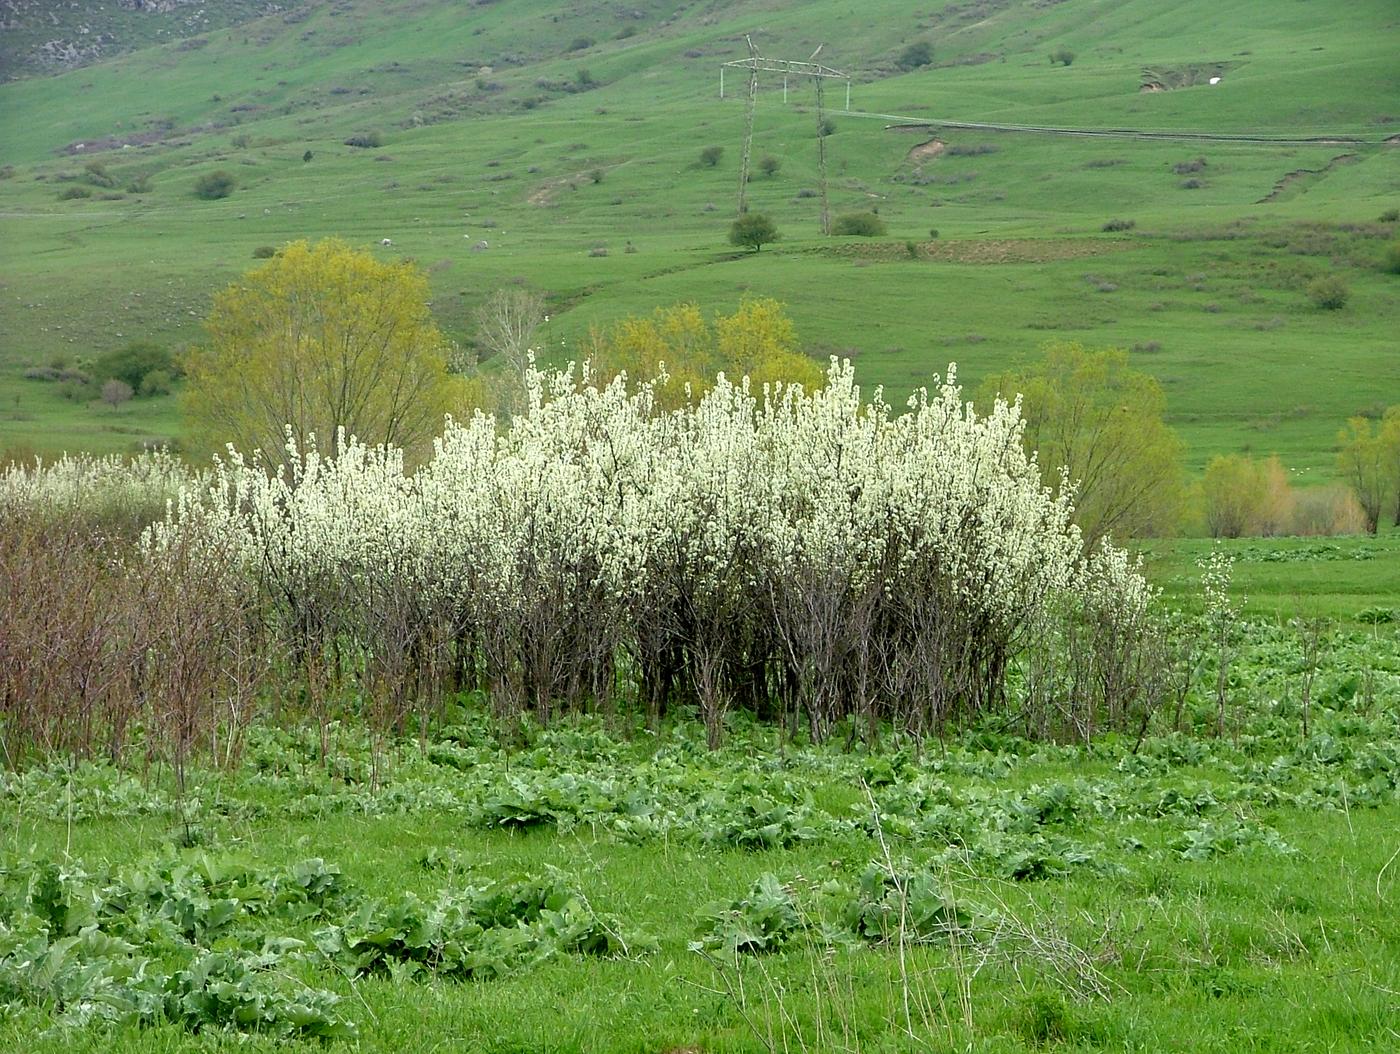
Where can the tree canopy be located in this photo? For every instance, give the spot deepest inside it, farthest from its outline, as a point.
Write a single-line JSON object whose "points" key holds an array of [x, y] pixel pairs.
{"points": [[754, 230], [322, 338], [758, 341], [1368, 460], [1088, 413]]}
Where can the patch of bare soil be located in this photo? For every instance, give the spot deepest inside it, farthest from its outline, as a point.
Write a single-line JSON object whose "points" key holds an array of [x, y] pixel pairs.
{"points": [[926, 151], [1171, 78], [543, 196]]}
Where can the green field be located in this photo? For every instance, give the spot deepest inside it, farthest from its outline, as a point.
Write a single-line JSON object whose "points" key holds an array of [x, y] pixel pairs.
{"points": [[1207, 288], [1190, 895]]}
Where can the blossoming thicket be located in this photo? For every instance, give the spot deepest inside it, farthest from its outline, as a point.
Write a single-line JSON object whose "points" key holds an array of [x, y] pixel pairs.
{"points": [[804, 555]]}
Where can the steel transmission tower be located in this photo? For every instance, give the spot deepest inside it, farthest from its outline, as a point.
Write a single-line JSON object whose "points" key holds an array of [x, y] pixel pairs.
{"points": [[820, 74]]}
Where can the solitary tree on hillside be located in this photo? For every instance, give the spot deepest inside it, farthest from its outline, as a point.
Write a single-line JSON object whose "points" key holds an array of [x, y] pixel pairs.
{"points": [[115, 392], [319, 339], [754, 230]]}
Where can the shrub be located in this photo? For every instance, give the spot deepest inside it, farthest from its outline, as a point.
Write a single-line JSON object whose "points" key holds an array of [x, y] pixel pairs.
{"points": [[933, 232], [97, 174], [596, 175], [710, 156], [1390, 259], [116, 392], [828, 127], [73, 193], [264, 252], [1119, 225], [1390, 216], [132, 363], [580, 43], [769, 166], [1329, 292], [862, 224], [157, 382], [139, 185], [919, 53], [307, 156], [1246, 497], [366, 140], [214, 185], [1061, 56], [754, 230]]}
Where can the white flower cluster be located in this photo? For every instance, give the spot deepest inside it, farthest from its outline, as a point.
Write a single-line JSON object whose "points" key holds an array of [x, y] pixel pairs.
{"points": [[73, 480], [785, 549]]}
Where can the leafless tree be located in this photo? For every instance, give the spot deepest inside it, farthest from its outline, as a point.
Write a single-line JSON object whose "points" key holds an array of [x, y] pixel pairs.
{"points": [[506, 324]]}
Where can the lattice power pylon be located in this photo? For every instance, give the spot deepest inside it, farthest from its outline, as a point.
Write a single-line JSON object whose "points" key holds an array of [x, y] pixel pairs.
{"points": [[756, 64]]}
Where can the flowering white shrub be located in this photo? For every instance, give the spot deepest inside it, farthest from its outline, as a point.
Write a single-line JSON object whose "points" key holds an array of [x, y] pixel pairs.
{"points": [[111, 491], [797, 553]]}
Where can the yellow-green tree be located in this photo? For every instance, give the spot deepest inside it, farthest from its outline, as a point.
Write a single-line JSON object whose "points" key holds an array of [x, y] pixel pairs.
{"points": [[1090, 414], [758, 340], [1235, 490], [1390, 449], [322, 338], [1368, 466]]}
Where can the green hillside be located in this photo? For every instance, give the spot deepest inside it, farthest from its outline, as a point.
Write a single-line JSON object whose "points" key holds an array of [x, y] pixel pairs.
{"points": [[556, 131]]}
